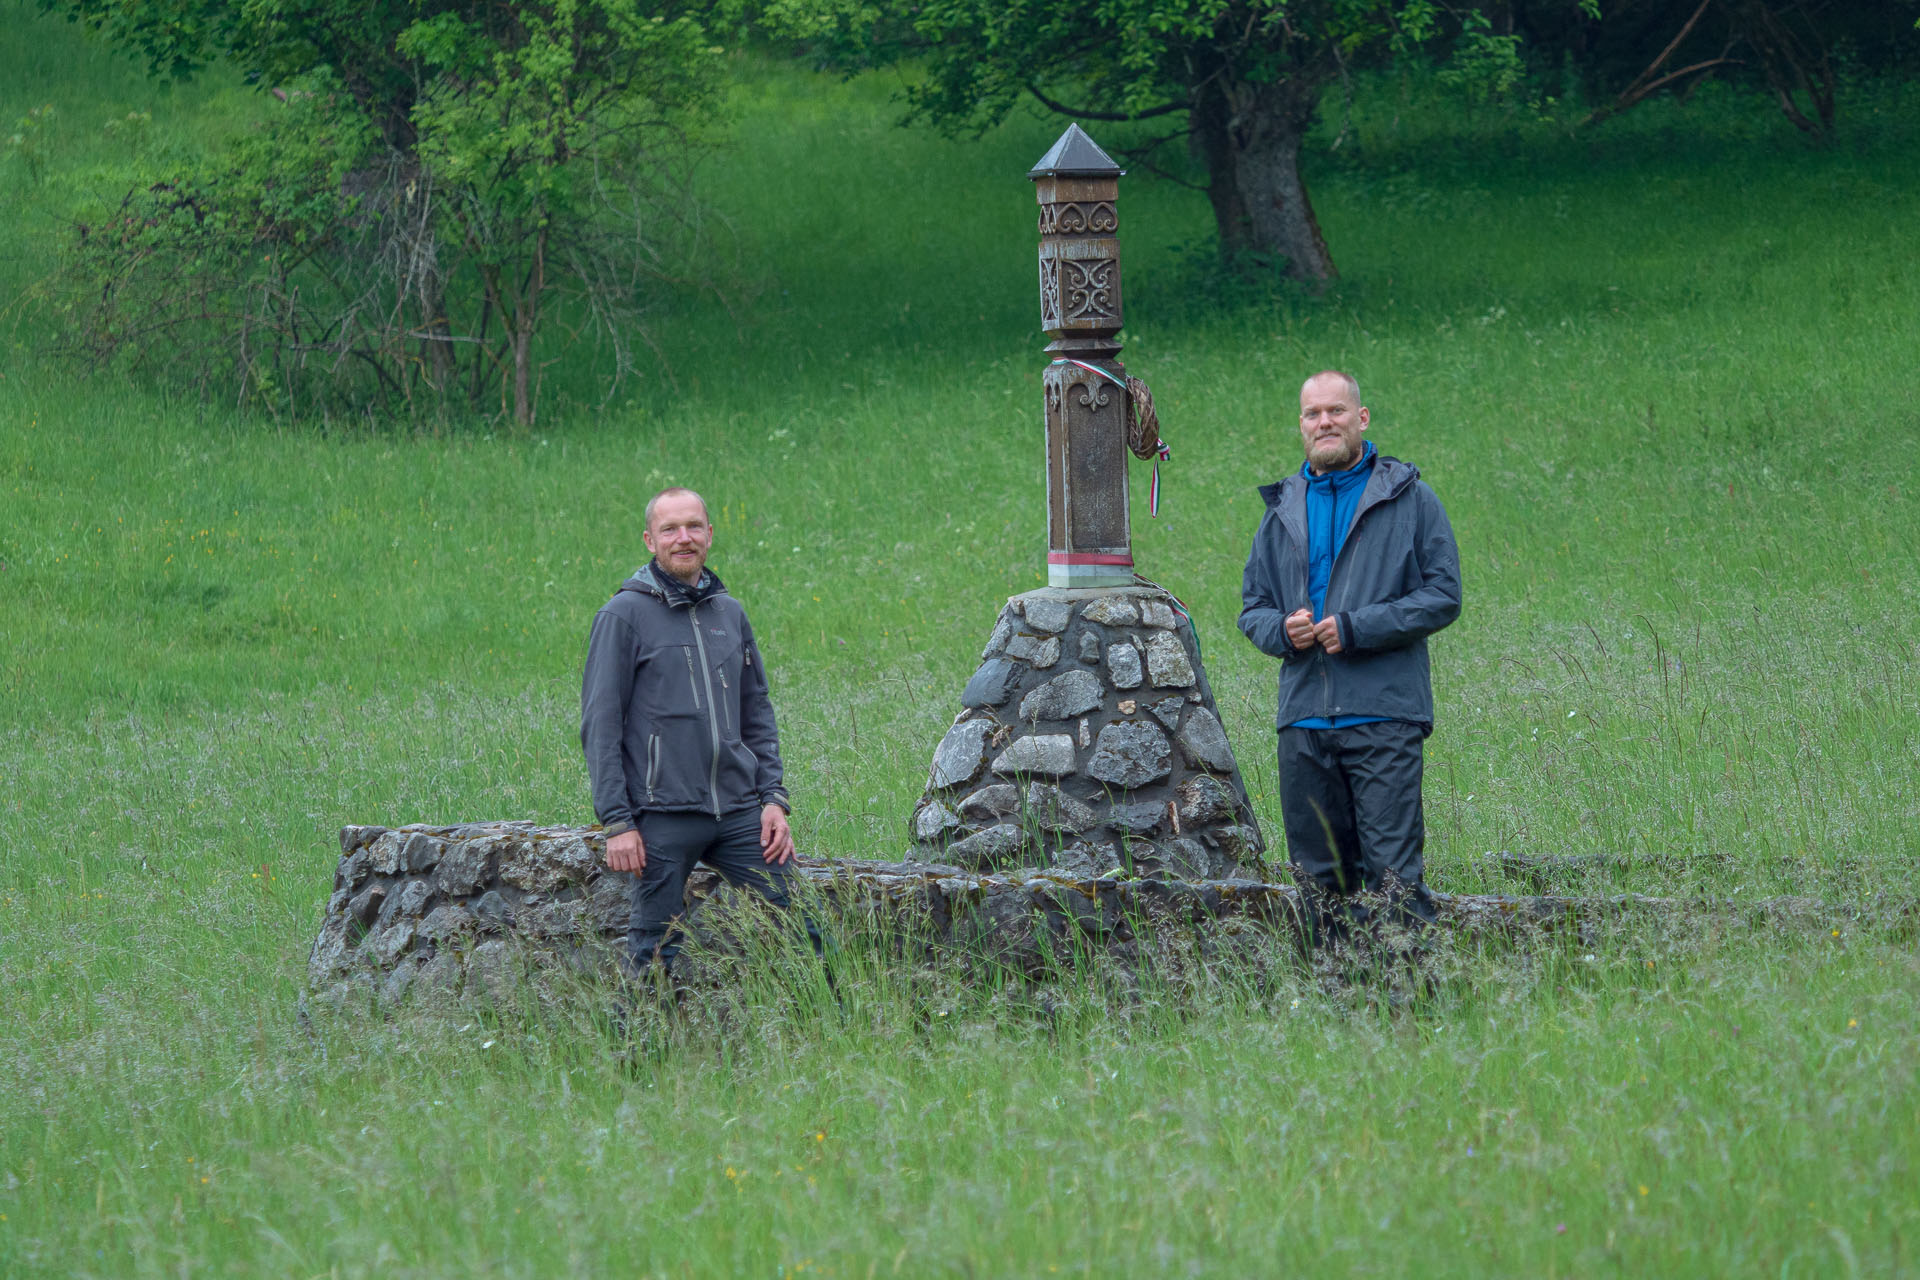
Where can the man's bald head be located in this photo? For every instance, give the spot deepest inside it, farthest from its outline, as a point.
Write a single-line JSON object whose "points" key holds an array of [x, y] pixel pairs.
{"points": [[675, 492], [1352, 384]]}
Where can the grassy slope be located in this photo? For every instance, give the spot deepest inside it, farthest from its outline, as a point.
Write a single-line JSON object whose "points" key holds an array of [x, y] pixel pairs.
{"points": [[1659, 379]]}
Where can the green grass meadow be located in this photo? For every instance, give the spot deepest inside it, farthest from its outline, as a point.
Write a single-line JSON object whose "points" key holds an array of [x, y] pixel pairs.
{"points": [[1663, 376]]}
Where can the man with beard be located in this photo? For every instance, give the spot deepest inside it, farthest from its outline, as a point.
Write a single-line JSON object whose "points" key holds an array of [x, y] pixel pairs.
{"points": [[1352, 568], [679, 734]]}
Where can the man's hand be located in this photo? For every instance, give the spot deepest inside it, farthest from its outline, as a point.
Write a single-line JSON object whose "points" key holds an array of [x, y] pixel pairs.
{"points": [[627, 852], [1327, 632], [776, 840], [1300, 629]]}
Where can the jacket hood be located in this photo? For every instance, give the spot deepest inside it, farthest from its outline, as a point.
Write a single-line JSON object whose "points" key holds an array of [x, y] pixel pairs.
{"points": [[643, 581], [1392, 474]]}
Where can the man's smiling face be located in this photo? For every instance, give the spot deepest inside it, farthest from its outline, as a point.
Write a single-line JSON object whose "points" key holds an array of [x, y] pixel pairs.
{"points": [[1331, 421], [679, 535]]}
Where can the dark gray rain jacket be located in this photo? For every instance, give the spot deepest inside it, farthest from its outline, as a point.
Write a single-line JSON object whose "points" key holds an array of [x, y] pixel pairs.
{"points": [[1395, 582], [674, 712]]}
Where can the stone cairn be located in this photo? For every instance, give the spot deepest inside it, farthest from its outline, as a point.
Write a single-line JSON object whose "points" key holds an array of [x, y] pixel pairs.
{"points": [[1090, 743]]}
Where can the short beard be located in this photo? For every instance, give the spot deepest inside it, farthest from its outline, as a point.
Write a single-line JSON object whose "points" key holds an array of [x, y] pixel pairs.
{"points": [[1343, 461]]}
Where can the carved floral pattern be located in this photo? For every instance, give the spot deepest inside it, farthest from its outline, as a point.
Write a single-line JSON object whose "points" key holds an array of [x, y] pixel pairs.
{"points": [[1086, 288]]}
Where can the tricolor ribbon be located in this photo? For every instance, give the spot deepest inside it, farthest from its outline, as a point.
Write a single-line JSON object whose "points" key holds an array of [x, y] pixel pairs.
{"points": [[1093, 368]]}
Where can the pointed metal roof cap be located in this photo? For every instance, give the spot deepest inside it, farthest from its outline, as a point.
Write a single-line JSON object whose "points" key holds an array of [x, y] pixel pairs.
{"points": [[1075, 155]]}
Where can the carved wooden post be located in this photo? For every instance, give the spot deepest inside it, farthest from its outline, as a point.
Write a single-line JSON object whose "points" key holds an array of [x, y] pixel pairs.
{"points": [[1089, 541]]}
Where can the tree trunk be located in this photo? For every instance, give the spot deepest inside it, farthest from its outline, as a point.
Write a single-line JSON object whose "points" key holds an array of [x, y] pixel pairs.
{"points": [[526, 319], [1249, 136]]}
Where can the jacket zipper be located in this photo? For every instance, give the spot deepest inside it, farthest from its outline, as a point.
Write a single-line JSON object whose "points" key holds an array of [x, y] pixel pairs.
{"points": [[713, 724], [726, 719], [653, 763], [1326, 689]]}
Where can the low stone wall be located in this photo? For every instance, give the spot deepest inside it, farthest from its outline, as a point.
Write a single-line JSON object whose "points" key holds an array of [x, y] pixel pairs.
{"points": [[450, 909]]}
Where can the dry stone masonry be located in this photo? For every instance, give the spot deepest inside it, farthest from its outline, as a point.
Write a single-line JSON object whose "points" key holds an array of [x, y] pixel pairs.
{"points": [[1089, 743], [467, 912]]}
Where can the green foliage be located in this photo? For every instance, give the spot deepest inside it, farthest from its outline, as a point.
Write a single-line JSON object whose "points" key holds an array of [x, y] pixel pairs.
{"points": [[423, 203], [1484, 66], [26, 146]]}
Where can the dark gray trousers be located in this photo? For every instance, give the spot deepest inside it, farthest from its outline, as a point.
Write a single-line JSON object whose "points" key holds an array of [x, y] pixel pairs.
{"points": [[677, 841], [1350, 801]]}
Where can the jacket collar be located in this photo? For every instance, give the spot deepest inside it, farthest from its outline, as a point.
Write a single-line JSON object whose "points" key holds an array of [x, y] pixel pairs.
{"points": [[649, 579], [1389, 479]]}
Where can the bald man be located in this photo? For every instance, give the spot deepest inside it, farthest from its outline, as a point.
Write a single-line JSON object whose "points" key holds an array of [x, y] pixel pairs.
{"points": [[1352, 568], [679, 735]]}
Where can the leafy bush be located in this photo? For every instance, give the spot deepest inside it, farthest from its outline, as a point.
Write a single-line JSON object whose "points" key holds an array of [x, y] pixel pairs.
{"points": [[426, 216]]}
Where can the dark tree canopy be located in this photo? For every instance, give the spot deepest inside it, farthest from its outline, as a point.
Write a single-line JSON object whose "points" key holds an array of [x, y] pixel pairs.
{"points": [[1240, 80]]}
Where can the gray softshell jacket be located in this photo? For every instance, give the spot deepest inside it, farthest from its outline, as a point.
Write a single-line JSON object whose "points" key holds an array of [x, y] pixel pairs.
{"points": [[674, 712], [1395, 582]]}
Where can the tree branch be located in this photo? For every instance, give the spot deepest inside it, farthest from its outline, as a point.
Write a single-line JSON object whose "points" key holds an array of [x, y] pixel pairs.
{"points": [[1165, 108]]}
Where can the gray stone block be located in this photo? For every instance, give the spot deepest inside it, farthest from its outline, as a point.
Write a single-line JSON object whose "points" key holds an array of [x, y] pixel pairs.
{"points": [[1082, 860], [465, 867], [1131, 753], [1167, 710], [447, 921], [958, 757], [991, 685], [543, 866], [1191, 860], [610, 902], [990, 804], [1203, 799], [1205, 742], [1048, 615], [1090, 648], [1137, 819], [1051, 810], [996, 846], [1035, 651], [1123, 666], [1041, 755], [933, 821], [414, 896], [392, 942], [1112, 611], [1157, 613], [493, 911], [1002, 632], [367, 903], [1167, 663], [1062, 697]]}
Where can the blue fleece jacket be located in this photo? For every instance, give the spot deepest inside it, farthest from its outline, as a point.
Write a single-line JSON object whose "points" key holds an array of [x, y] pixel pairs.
{"points": [[1332, 498]]}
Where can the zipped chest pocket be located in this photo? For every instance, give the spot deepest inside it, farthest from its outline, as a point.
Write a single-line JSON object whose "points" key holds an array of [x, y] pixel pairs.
{"points": [[693, 678]]}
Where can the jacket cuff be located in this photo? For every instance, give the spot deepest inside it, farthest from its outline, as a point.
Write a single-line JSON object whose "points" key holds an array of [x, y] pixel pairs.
{"points": [[617, 829], [777, 797], [1344, 621]]}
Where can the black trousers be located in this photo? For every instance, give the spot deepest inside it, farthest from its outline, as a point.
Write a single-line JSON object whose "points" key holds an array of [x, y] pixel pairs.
{"points": [[1350, 801], [675, 843]]}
